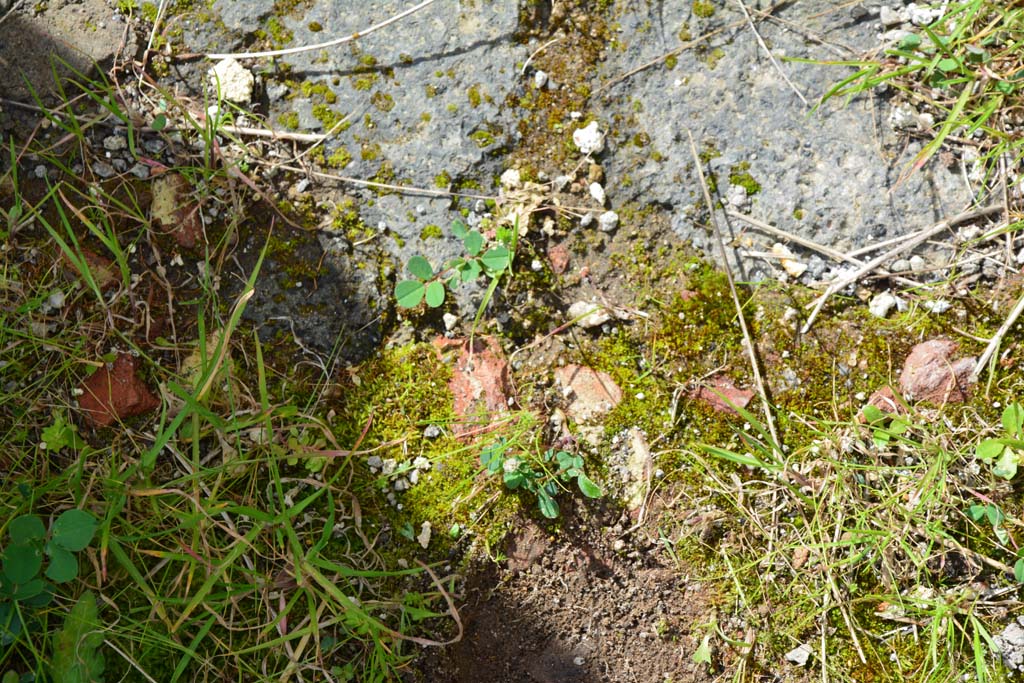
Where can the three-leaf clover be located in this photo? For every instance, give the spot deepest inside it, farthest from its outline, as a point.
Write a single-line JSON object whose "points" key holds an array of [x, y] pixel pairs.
{"points": [[1004, 453]]}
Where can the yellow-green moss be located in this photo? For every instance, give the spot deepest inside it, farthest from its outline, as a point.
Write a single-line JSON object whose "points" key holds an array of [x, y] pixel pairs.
{"points": [[339, 158], [369, 151], [289, 120], [431, 231], [703, 9], [327, 116], [474, 96], [315, 27], [740, 175], [383, 101]]}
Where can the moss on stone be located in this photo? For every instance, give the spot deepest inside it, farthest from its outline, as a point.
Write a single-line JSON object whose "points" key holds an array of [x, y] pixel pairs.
{"points": [[703, 9], [740, 175], [382, 101], [430, 232]]}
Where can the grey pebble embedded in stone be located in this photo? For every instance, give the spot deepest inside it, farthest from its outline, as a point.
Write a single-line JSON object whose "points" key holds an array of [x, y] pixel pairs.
{"points": [[586, 220], [608, 221], [114, 143], [102, 169], [140, 171]]}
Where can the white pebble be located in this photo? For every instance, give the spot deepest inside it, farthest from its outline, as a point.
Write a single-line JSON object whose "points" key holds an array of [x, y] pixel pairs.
{"points": [[589, 139]]}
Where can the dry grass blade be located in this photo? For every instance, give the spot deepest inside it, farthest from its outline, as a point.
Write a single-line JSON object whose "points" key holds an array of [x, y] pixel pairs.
{"points": [[748, 339], [906, 246], [321, 46]]}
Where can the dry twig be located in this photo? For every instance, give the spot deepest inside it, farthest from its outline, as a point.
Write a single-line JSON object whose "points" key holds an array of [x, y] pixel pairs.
{"points": [[320, 46], [906, 245], [751, 349]]}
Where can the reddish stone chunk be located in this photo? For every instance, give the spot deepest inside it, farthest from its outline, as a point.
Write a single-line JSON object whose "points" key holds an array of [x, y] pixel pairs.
{"points": [[114, 393]]}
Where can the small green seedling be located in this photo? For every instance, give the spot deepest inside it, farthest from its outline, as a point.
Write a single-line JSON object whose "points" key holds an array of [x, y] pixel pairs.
{"points": [[995, 517], [1004, 453], [21, 584], [520, 473], [884, 427], [430, 285]]}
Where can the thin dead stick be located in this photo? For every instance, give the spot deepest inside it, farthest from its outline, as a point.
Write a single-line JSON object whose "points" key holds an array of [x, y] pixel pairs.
{"points": [[751, 350], [907, 245], [997, 338], [526, 64], [320, 46], [813, 246], [775, 62], [684, 47], [385, 186]]}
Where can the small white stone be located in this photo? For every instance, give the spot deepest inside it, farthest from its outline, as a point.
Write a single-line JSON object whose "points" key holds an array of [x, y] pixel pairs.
{"points": [[56, 299], [788, 260], [737, 197], [597, 192], [510, 179], [883, 303], [937, 306], [536, 265], [450, 321], [588, 314], [589, 139], [917, 263], [607, 221], [540, 79], [800, 654], [232, 81], [115, 143], [890, 17]]}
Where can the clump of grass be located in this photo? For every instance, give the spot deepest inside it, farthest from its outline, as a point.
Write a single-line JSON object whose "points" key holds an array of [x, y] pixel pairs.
{"points": [[230, 542], [967, 70]]}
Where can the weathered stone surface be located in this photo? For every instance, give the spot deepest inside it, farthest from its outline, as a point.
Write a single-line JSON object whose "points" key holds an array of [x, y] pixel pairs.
{"points": [[831, 168], [931, 374], [115, 392], [591, 393], [35, 43]]}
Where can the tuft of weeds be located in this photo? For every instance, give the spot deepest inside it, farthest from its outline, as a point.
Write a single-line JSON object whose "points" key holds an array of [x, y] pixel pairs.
{"points": [[230, 541], [865, 545], [965, 72]]}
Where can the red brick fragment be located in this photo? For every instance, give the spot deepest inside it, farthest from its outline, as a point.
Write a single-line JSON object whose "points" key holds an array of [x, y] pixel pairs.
{"points": [[720, 393], [930, 373], [115, 392], [480, 383], [593, 393]]}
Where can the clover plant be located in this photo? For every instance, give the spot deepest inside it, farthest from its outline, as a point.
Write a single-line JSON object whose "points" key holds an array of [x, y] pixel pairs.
{"points": [[535, 475], [24, 583], [1004, 453], [431, 285]]}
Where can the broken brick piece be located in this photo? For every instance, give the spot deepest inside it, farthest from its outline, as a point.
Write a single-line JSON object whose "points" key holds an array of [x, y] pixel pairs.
{"points": [[592, 393], [721, 393], [480, 385], [115, 392], [930, 373]]}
